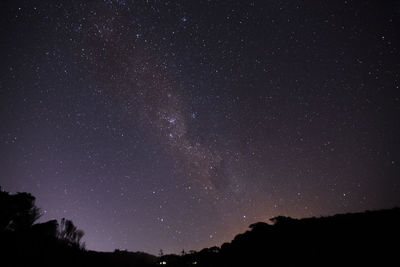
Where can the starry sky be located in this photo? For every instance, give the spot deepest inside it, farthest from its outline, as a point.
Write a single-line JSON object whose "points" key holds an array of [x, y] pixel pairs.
{"points": [[176, 124]]}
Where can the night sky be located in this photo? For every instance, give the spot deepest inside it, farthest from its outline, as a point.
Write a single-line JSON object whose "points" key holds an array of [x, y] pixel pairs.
{"points": [[176, 124]]}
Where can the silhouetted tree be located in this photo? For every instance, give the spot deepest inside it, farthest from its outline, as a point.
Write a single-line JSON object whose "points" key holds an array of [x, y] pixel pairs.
{"points": [[70, 234], [17, 212]]}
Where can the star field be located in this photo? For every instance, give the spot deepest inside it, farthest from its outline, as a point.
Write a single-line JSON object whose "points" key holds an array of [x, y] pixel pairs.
{"points": [[176, 124]]}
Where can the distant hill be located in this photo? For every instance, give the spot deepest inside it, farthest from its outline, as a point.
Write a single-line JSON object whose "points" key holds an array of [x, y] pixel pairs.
{"points": [[356, 239]]}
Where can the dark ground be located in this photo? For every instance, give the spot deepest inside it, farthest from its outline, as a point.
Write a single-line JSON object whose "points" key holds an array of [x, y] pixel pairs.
{"points": [[354, 239]]}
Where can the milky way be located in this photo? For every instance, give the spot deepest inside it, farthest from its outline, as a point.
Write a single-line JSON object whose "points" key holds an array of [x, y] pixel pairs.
{"points": [[176, 124]]}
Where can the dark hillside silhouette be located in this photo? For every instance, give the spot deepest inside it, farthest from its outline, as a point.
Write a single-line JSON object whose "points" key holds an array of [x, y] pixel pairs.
{"points": [[340, 240], [354, 239]]}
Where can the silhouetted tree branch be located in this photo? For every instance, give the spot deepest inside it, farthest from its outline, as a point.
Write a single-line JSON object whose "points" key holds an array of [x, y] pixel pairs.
{"points": [[69, 233]]}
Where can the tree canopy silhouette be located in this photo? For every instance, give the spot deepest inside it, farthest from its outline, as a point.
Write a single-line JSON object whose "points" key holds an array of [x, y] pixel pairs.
{"points": [[17, 212]]}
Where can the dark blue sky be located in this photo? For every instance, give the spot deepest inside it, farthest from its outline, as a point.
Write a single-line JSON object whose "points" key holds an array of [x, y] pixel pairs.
{"points": [[175, 124]]}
